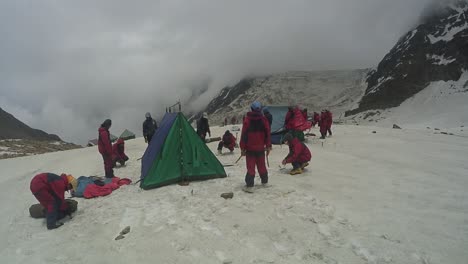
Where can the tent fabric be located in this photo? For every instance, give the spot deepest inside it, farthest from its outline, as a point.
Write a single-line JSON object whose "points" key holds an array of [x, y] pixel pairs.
{"points": [[176, 154], [279, 114], [277, 125], [156, 143], [127, 134], [113, 138]]}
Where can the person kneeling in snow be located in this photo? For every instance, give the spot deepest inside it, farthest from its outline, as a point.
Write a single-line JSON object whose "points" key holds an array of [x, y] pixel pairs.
{"points": [[299, 154], [49, 189], [118, 153], [228, 141]]}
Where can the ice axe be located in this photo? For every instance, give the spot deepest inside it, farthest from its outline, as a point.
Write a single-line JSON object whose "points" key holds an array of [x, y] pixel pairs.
{"points": [[268, 162]]}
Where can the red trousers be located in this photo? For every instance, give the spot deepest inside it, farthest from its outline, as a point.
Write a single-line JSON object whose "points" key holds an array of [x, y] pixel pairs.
{"points": [[108, 165], [253, 160]]}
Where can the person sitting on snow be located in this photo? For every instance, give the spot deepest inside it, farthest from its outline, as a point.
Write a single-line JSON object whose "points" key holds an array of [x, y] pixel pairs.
{"points": [[49, 189], [118, 152], [228, 141], [299, 154]]}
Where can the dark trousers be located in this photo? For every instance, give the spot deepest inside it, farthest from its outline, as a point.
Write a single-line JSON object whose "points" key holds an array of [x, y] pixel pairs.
{"points": [[255, 159], [120, 159], [297, 165], [108, 165], [52, 205], [329, 131], [221, 145], [148, 138]]}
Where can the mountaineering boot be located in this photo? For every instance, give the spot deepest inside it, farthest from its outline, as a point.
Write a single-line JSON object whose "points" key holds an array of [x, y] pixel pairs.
{"points": [[248, 189], [304, 165], [296, 171]]}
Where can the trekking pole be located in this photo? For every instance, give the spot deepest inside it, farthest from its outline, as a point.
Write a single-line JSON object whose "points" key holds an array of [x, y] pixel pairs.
{"points": [[268, 163], [239, 158]]}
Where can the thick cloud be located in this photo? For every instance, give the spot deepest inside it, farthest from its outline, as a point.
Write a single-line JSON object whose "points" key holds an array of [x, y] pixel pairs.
{"points": [[65, 66]]}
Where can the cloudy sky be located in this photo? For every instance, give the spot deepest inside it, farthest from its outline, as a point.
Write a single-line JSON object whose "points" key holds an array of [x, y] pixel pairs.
{"points": [[67, 65]]}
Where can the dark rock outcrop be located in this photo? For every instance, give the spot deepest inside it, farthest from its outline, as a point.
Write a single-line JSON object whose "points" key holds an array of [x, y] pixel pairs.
{"points": [[12, 128], [436, 50]]}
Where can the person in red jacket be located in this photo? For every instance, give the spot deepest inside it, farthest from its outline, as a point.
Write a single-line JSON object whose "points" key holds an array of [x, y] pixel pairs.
{"points": [[49, 189], [255, 140], [118, 153], [228, 141], [329, 121], [305, 114], [299, 154], [316, 119], [105, 148], [288, 118], [323, 124]]}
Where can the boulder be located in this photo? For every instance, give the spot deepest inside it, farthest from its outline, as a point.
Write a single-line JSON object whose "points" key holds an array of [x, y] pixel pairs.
{"points": [[395, 126], [227, 195]]}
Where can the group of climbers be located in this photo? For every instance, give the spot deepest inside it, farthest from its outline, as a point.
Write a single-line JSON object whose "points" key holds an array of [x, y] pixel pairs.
{"points": [[255, 145]]}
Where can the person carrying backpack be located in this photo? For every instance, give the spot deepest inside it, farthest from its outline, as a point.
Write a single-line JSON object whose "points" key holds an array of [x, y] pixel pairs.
{"points": [[255, 141]]}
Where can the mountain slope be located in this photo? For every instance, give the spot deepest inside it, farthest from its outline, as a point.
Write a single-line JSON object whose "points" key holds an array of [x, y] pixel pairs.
{"points": [[436, 50], [18, 139], [337, 90], [12, 128]]}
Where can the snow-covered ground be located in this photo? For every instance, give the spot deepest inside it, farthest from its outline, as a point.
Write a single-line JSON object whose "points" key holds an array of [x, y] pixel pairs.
{"points": [[394, 196], [441, 105]]}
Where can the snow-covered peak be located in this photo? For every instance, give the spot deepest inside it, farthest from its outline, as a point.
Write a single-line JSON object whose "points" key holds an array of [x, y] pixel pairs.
{"points": [[435, 50]]}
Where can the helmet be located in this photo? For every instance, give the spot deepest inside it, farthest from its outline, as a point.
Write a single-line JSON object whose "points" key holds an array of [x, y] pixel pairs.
{"points": [[256, 106], [147, 115], [265, 110], [227, 132], [288, 137], [107, 123], [72, 181]]}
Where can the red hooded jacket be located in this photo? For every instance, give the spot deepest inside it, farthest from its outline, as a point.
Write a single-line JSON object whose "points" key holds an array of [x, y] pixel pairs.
{"points": [[329, 118], [49, 189], [255, 134], [295, 120], [229, 140], [104, 144], [298, 152], [118, 149]]}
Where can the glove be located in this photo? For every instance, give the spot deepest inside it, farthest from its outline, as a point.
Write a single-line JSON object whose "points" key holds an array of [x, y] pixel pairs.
{"points": [[146, 140], [268, 150], [56, 225]]}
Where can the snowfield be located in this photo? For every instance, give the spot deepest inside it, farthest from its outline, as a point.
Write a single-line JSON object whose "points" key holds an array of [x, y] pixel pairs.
{"points": [[394, 196]]}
